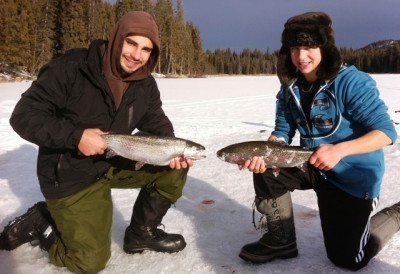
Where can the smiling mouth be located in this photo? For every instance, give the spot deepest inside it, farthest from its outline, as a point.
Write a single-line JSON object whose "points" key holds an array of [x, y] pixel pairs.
{"points": [[131, 61], [303, 64]]}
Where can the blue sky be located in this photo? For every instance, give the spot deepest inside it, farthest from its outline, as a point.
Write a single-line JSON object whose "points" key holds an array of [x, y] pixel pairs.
{"points": [[239, 24]]}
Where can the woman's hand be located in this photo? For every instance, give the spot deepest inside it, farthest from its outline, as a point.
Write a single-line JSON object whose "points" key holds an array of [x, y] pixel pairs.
{"points": [[256, 165]]}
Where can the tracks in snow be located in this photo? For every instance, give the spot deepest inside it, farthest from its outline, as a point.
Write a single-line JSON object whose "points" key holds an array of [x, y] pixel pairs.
{"points": [[220, 101]]}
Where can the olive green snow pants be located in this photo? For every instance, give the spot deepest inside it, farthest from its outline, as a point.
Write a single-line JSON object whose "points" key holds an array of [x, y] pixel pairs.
{"points": [[84, 219]]}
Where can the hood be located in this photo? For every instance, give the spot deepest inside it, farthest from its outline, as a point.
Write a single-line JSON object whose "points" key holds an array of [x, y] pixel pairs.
{"points": [[132, 23]]}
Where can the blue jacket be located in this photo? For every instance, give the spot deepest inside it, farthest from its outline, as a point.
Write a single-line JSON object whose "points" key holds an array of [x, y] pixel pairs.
{"points": [[343, 109]]}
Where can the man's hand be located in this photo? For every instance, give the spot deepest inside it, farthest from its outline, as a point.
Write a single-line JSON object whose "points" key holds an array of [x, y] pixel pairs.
{"points": [[91, 142], [180, 162]]}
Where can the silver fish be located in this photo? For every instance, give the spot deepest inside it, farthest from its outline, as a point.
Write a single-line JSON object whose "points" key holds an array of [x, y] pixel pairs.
{"points": [[276, 155], [154, 150]]}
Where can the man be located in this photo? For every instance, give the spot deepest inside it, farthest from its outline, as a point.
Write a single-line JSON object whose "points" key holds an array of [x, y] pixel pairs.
{"points": [[78, 97], [338, 113]]}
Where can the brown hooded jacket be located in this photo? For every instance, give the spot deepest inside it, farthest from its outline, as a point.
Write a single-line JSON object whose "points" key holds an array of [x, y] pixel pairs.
{"points": [[132, 23]]}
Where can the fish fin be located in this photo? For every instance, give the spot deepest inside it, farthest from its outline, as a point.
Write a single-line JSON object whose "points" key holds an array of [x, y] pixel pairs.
{"points": [[304, 166], [139, 165], [275, 171], [110, 153], [142, 133]]}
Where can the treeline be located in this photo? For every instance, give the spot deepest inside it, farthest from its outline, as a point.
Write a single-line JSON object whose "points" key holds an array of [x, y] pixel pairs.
{"points": [[383, 57], [247, 62], [36, 31], [372, 59]]}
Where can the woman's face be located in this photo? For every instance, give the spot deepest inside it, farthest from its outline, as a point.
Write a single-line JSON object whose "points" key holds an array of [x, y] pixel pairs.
{"points": [[306, 60]]}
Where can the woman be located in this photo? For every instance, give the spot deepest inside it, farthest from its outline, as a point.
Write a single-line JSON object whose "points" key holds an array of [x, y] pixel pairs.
{"points": [[338, 113]]}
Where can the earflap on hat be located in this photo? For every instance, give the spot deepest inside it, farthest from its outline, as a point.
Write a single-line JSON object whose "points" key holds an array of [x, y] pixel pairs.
{"points": [[285, 69], [330, 64]]}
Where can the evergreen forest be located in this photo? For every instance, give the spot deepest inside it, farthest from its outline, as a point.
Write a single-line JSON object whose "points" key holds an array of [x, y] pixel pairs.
{"points": [[36, 31]]}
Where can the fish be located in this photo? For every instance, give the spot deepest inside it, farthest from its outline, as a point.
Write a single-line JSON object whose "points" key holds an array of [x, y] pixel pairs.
{"points": [[150, 149], [276, 155]]}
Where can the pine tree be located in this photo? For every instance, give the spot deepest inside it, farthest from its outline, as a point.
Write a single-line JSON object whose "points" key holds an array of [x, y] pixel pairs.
{"points": [[8, 15], [42, 34], [101, 20], [74, 22], [196, 58], [16, 43], [164, 15]]}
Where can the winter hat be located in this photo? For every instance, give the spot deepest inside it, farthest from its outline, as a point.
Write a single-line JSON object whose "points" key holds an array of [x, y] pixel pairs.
{"points": [[311, 29], [308, 29]]}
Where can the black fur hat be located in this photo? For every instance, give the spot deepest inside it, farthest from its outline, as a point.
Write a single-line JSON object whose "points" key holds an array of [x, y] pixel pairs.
{"points": [[308, 29]]}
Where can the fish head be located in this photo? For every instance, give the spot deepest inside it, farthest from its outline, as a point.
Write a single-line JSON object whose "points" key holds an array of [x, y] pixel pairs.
{"points": [[221, 154], [194, 151], [225, 152], [229, 154], [239, 153]]}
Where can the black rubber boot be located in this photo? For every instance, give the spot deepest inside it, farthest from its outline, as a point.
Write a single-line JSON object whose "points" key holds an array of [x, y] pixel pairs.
{"points": [[384, 225], [142, 233], [34, 226], [279, 241]]}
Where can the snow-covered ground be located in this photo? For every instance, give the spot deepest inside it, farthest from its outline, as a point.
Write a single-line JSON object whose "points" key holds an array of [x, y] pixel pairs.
{"points": [[214, 214]]}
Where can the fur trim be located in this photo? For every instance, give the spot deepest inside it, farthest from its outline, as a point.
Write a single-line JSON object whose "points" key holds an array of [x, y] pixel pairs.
{"points": [[308, 29]]}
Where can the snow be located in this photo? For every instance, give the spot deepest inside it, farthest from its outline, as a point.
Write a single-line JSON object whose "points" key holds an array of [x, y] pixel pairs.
{"points": [[214, 214]]}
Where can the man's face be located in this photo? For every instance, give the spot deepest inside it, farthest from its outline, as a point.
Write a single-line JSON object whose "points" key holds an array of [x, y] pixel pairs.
{"points": [[135, 53]]}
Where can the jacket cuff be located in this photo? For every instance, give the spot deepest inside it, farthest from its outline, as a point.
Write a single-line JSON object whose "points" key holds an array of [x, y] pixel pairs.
{"points": [[76, 137]]}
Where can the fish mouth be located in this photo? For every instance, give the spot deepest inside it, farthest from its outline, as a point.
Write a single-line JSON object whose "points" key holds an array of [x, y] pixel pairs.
{"points": [[194, 153], [196, 157], [219, 153], [199, 157]]}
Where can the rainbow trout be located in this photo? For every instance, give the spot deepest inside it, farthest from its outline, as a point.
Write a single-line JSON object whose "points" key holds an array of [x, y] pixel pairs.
{"points": [[154, 150], [276, 155]]}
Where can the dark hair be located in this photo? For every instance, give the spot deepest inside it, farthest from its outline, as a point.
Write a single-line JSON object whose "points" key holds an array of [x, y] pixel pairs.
{"points": [[308, 29]]}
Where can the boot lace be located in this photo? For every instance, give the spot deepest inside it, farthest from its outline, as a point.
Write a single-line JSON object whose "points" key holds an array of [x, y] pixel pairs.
{"points": [[262, 222]]}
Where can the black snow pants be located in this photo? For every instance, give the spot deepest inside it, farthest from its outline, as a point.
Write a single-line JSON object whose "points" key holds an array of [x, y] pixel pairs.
{"points": [[345, 219]]}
